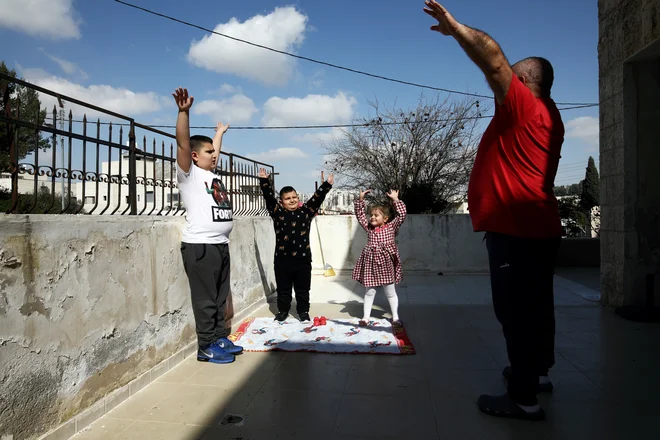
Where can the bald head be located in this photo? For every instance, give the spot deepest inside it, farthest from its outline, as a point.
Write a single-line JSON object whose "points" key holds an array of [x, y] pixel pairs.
{"points": [[537, 74]]}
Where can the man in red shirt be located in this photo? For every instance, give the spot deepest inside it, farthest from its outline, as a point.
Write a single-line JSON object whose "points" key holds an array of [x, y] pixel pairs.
{"points": [[511, 199]]}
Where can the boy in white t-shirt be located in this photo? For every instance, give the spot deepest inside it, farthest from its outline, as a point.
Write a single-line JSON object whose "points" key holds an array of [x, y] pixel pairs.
{"points": [[205, 238]]}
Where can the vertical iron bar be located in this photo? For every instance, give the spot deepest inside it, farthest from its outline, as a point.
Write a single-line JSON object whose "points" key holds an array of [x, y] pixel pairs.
{"points": [[153, 207], [170, 180], [109, 171], [84, 164], [53, 163], [120, 150], [132, 170], [70, 168], [162, 174], [36, 165], [98, 164], [144, 174]]}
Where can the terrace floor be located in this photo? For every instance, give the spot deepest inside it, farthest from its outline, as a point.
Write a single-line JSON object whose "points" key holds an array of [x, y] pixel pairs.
{"points": [[606, 376]]}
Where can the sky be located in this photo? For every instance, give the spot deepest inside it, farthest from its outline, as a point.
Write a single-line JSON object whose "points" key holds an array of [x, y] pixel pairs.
{"points": [[130, 62]]}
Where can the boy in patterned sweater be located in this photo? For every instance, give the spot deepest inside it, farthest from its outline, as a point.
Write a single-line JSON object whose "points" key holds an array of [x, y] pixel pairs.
{"points": [[293, 256]]}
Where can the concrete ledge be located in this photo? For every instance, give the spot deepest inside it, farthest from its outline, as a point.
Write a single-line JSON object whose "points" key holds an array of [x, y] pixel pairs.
{"points": [[116, 397]]}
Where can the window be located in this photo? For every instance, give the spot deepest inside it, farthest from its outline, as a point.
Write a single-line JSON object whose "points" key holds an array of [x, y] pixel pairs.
{"points": [[90, 200], [172, 198], [150, 196]]}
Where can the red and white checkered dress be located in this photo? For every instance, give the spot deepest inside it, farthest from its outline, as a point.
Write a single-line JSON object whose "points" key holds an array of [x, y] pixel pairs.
{"points": [[379, 263]]}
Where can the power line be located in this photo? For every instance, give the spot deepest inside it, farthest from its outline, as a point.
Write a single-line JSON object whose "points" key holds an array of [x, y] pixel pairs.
{"points": [[324, 63], [309, 127]]}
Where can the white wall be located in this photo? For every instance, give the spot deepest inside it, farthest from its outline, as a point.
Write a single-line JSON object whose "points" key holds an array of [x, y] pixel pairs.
{"points": [[427, 243]]}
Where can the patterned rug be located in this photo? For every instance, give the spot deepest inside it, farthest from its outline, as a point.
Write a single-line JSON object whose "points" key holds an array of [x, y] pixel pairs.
{"points": [[338, 335]]}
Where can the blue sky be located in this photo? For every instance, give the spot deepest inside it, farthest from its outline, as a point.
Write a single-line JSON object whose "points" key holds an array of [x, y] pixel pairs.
{"points": [[126, 60]]}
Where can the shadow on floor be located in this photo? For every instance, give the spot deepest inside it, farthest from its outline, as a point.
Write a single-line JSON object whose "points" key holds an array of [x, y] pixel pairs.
{"points": [[605, 380]]}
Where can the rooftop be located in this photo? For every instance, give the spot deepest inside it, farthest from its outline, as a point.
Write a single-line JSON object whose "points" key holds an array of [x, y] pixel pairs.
{"points": [[605, 376]]}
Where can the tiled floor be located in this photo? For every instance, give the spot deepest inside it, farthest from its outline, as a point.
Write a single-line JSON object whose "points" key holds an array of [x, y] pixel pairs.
{"points": [[606, 377]]}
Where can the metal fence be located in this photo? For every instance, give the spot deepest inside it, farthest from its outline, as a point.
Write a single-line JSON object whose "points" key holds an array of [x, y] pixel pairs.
{"points": [[51, 162]]}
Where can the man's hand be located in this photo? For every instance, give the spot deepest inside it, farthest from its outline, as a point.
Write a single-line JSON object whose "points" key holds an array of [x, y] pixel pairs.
{"points": [[263, 174], [447, 25], [364, 193], [393, 194], [183, 101], [221, 128]]}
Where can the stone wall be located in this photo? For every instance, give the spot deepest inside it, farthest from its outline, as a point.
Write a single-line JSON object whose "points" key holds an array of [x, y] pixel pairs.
{"points": [[628, 55], [88, 304]]}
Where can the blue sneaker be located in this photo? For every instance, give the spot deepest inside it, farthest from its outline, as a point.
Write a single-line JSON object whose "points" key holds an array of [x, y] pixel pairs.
{"points": [[214, 353], [229, 346]]}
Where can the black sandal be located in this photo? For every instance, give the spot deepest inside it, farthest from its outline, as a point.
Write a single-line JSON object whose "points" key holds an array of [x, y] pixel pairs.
{"points": [[503, 406]]}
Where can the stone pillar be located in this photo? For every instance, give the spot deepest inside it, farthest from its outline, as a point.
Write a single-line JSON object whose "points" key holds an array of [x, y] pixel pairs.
{"points": [[629, 65]]}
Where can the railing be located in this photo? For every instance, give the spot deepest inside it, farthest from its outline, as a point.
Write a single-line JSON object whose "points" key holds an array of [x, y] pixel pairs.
{"points": [[57, 164]]}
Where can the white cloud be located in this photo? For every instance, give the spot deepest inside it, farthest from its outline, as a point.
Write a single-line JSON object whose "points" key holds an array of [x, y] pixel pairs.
{"points": [[310, 110], [41, 18], [278, 154], [233, 110], [319, 138], [68, 67], [316, 80], [282, 29], [585, 128], [228, 89], [119, 100]]}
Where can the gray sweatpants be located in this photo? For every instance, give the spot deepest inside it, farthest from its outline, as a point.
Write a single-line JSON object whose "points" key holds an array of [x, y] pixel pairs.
{"points": [[207, 267]]}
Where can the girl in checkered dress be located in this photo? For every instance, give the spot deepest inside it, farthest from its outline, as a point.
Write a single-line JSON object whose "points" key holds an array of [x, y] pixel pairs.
{"points": [[379, 263]]}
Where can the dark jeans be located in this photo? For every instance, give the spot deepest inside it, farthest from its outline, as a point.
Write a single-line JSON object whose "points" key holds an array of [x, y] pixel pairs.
{"points": [[207, 267], [521, 277], [296, 274]]}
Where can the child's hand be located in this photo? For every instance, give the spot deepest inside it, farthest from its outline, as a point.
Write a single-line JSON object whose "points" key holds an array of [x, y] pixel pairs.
{"points": [[263, 174], [393, 194], [364, 193], [183, 101], [221, 128]]}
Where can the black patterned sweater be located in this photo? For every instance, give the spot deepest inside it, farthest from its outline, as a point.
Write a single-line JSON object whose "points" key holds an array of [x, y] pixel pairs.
{"points": [[292, 227]]}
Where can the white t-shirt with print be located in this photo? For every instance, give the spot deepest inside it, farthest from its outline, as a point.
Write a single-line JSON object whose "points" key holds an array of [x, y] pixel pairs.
{"points": [[209, 217]]}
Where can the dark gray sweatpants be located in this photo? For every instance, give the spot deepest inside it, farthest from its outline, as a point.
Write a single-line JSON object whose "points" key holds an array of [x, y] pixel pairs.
{"points": [[207, 267]]}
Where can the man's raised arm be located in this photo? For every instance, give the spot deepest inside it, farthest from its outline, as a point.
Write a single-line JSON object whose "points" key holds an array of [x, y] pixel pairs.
{"points": [[478, 45]]}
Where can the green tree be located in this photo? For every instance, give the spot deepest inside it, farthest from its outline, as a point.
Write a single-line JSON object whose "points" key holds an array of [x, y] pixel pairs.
{"points": [[590, 194], [572, 216], [26, 101]]}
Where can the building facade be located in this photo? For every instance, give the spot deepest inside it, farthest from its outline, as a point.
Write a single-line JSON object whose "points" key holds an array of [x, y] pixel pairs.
{"points": [[629, 72]]}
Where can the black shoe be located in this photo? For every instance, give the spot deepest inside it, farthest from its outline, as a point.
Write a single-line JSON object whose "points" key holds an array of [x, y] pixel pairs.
{"points": [[304, 317], [281, 316], [543, 387], [503, 406]]}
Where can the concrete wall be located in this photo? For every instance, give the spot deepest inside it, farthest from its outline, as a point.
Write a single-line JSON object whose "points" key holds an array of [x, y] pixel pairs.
{"points": [[88, 304], [427, 243], [629, 53]]}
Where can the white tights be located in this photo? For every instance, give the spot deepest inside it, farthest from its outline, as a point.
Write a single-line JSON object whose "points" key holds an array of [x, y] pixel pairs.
{"points": [[390, 293]]}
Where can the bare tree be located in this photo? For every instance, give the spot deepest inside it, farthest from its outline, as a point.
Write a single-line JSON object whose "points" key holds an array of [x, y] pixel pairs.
{"points": [[427, 153]]}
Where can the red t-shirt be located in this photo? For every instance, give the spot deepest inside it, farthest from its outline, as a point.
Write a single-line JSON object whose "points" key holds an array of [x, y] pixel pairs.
{"points": [[511, 185]]}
